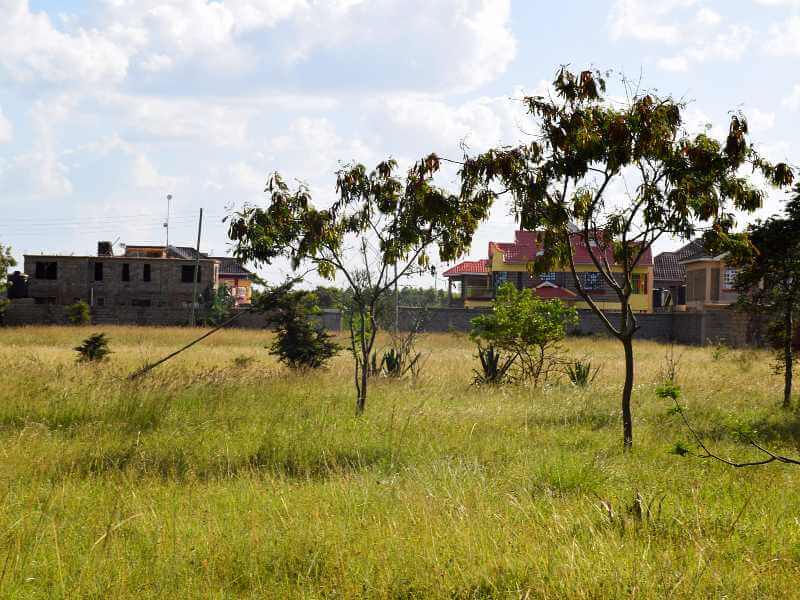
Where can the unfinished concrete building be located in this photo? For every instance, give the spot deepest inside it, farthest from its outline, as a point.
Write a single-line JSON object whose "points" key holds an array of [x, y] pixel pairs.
{"points": [[143, 276]]}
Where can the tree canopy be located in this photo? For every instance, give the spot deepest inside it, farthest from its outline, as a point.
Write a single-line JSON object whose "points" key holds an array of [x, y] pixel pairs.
{"points": [[616, 176]]}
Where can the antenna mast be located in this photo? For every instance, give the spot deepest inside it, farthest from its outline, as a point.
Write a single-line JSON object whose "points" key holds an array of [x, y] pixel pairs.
{"points": [[166, 223]]}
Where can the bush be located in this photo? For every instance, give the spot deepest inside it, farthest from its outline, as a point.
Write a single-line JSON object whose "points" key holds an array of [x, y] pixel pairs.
{"points": [[93, 349], [221, 307], [494, 370], [301, 342], [78, 313], [580, 373], [527, 327]]}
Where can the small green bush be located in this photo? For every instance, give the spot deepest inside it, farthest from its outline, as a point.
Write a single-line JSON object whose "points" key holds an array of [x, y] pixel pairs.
{"points": [[78, 313], [494, 370], [93, 349], [580, 373]]}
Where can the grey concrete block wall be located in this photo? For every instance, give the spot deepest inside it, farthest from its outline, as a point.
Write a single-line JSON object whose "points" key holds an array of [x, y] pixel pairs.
{"points": [[690, 328]]}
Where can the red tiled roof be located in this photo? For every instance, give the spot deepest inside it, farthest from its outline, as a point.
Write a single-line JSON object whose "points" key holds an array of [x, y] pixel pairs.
{"points": [[468, 267], [525, 249], [550, 290]]}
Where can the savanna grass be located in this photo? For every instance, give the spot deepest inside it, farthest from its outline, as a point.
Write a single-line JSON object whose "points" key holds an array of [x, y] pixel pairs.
{"points": [[222, 474]]}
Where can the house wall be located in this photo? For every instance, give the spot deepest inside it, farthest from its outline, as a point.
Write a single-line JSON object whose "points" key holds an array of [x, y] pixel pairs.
{"points": [[705, 285], [242, 284], [75, 281], [604, 296]]}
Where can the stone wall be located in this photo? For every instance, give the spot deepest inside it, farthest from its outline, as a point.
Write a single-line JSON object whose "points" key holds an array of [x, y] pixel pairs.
{"points": [[690, 328], [27, 312]]}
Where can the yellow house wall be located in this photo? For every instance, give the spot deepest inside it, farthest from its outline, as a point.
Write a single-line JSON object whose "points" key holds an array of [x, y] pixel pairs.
{"points": [[639, 302]]}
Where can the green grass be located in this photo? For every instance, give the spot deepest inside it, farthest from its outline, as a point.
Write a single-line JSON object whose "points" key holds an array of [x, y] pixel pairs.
{"points": [[227, 477]]}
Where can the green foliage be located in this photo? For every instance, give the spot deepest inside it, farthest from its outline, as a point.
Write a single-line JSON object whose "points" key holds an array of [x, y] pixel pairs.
{"points": [[680, 449], [301, 341], [494, 368], [584, 147], [768, 281], [580, 373], [379, 230], [221, 306], [93, 349], [6, 262], [527, 327], [668, 389], [402, 357], [79, 313]]}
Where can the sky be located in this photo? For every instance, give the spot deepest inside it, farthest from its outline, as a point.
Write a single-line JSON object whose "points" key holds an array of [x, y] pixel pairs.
{"points": [[107, 106]]}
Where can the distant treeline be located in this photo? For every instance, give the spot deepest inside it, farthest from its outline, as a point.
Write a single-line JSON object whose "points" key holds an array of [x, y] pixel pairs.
{"points": [[334, 297]]}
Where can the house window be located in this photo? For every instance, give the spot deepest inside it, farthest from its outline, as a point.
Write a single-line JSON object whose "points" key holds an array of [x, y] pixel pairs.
{"points": [[46, 270], [44, 300], [100, 301], [187, 274], [146, 273], [729, 278], [140, 301], [98, 271], [639, 283], [500, 277], [126, 272], [591, 281], [548, 277]]}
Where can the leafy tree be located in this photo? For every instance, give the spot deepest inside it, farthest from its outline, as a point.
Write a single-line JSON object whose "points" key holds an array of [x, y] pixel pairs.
{"points": [[221, 306], [6, 262], [566, 185], [378, 230], [768, 281], [79, 313], [527, 327]]}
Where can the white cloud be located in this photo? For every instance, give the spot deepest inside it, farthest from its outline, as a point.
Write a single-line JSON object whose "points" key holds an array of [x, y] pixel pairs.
{"points": [[792, 101], [645, 20], [146, 175], [759, 120], [32, 48], [687, 23], [6, 129], [783, 39], [213, 122], [729, 45], [480, 123]]}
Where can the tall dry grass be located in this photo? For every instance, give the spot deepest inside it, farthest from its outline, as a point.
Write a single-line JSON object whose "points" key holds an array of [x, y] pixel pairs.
{"points": [[224, 475]]}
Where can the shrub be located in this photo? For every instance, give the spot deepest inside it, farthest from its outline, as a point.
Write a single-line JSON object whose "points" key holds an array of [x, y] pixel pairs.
{"points": [[78, 313], [301, 342], [221, 307], [580, 373], [529, 328], [93, 349], [494, 369]]}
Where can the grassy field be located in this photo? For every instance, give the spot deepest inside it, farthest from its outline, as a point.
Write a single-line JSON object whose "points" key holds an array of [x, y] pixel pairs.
{"points": [[222, 475]]}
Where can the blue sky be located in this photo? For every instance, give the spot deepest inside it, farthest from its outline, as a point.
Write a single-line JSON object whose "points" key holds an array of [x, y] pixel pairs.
{"points": [[108, 105]]}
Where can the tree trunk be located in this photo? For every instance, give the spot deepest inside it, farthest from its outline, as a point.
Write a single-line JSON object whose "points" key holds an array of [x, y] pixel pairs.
{"points": [[788, 358], [361, 401], [627, 421]]}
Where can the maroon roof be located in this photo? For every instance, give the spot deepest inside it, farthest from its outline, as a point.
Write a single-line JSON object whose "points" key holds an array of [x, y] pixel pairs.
{"points": [[525, 248], [468, 267], [549, 290]]}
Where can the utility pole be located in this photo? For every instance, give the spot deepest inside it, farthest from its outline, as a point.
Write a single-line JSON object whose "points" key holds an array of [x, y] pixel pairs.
{"points": [[166, 223], [196, 269]]}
